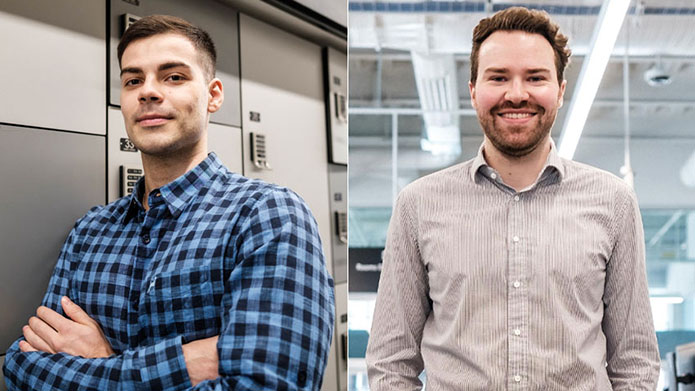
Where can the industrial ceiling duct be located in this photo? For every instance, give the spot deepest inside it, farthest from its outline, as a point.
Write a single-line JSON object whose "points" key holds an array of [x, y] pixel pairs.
{"points": [[435, 77]]}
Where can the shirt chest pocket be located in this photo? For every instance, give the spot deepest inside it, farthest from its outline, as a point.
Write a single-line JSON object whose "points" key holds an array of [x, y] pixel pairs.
{"points": [[181, 302]]}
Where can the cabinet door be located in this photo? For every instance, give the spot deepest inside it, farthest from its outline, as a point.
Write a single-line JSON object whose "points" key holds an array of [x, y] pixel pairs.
{"points": [[225, 141], [51, 179], [53, 64]]}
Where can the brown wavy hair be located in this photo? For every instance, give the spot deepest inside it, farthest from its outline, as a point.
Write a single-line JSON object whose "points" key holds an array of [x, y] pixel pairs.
{"points": [[522, 19]]}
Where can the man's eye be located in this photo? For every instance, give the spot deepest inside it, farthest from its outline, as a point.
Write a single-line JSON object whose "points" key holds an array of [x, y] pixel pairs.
{"points": [[536, 78], [175, 78], [498, 78], [131, 82]]}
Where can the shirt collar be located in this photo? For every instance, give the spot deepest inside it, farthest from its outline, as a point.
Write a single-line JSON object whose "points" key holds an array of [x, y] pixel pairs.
{"points": [[553, 162], [178, 193]]}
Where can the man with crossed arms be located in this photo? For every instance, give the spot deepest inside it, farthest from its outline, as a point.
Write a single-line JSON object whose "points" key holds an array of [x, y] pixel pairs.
{"points": [[201, 279]]}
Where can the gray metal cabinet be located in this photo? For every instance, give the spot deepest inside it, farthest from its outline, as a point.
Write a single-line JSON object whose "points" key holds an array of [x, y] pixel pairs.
{"points": [[50, 179], [53, 64], [219, 20]]}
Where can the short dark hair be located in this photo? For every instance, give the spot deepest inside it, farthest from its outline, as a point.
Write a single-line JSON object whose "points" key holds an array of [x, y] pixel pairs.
{"points": [[163, 24], [522, 19]]}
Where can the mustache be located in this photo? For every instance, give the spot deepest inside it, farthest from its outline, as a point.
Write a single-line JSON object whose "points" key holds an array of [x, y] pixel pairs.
{"points": [[518, 106]]}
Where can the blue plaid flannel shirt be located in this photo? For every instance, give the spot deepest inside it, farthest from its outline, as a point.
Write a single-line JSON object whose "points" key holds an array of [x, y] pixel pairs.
{"points": [[216, 254]]}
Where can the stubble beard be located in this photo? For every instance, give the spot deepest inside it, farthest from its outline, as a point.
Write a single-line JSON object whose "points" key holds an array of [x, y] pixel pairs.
{"points": [[496, 134], [186, 136]]}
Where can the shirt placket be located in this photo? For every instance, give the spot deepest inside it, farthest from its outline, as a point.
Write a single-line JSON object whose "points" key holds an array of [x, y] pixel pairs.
{"points": [[517, 375], [146, 247]]}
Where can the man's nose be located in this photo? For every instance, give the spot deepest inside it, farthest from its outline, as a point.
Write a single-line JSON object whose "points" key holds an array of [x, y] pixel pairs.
{"points": [[516, 92], [149, 92]]}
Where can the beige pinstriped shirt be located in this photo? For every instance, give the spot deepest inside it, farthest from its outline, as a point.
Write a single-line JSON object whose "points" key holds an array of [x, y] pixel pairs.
{"points": [[487, 288]]}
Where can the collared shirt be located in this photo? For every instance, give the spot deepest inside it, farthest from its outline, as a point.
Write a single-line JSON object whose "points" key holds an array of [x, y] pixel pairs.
{"points": [[487, 288], [216, 254]]}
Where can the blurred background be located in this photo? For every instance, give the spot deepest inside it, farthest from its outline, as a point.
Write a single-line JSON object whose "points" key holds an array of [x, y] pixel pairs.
{"points": [[410, 115]]}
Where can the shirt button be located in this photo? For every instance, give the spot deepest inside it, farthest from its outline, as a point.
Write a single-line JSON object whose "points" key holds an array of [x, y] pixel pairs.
{"points": [[517, 378], [493, 176], [517, 284], [146, 239], [516, 198], [515, 239], [517, 332]]}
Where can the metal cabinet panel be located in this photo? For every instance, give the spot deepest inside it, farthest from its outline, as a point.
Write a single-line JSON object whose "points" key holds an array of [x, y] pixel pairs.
{"points": [[219, 20], [116, 155], [335, 84], [3, 387], [339, 209], [51, 179], [225, 141], [53, 64], [335, 10]]}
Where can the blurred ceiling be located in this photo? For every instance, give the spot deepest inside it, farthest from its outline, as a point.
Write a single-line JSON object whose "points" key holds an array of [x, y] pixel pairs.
{"points": [[382, 35]]}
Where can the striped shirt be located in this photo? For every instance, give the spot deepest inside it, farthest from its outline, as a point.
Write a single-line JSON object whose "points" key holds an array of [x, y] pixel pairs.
{"points": [[487, 288], [216, 254]]}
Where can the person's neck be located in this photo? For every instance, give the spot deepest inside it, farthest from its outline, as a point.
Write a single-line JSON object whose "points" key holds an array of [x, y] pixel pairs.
{"points": [[161, 170], [517, 172]]}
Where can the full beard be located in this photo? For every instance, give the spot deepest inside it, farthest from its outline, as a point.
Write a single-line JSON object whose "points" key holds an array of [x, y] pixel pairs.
{"points": [[500, 136]]}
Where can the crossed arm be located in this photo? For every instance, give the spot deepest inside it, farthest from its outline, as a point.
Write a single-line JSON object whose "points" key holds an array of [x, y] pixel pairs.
{"points": [[79, 335], [275, 333]]}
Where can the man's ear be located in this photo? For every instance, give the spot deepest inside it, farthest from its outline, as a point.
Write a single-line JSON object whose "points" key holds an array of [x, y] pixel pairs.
{"points": [[561, 94], [471, 89], [215, 95]]}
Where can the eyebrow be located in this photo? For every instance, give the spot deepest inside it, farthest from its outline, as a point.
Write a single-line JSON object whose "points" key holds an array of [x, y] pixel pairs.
{"points": [[496, 70], [163, 67], [505, 70], [538, 70]]}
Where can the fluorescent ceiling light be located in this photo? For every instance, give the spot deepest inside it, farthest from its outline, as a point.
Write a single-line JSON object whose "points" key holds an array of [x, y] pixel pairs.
{"points": [[610, 20]]}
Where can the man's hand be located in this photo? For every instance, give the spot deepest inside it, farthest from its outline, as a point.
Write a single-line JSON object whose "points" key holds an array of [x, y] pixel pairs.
{"points": [[201, 359], [51, 332]]}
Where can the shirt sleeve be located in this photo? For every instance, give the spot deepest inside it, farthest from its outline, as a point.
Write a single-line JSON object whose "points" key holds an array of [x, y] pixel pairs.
{"points": [[278, 322], [156, 367], [402, 306], [632, 350]]}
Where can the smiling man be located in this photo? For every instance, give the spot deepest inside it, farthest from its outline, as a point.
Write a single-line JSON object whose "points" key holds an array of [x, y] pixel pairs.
{"points": [[518, 269], [201, 279]]}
